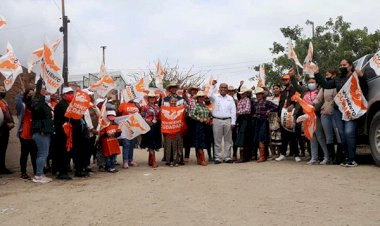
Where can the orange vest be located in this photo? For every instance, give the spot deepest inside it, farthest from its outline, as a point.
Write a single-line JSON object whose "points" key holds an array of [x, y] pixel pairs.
{"points": [[26, 125], [128, 108]]}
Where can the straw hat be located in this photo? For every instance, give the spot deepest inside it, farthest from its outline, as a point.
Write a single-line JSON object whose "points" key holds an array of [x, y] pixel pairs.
{"points": [[199, 94], [99, 100], [192, 87], [151, 94], [172, 84], [231, 88], [259, 90], [244, 90]]}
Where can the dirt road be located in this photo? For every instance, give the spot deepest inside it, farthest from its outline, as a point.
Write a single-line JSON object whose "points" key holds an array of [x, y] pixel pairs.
{"points": [[270, 193]]}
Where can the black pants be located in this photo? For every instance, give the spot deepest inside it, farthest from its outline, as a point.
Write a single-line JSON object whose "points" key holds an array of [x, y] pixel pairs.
{"points": [[28, 147], [92, 150], [4, 138], [289, 138], [80, 152], [62, 157]]}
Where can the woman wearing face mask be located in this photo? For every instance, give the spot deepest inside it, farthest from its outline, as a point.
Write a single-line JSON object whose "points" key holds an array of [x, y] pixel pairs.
{"points": [[346, 128], [42, 129], [325, 98], [310, 94]]}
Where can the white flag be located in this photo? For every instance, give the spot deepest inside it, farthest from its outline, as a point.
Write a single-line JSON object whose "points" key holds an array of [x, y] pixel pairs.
{"points": [[261, 82], [132, 126], [37, 55], [374, 62], [308, 62], [10, 67], [159, 75], [105, 84], [50, 71], [292, 54]]}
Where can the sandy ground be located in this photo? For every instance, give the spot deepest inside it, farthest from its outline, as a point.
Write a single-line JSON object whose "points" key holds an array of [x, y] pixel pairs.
{"points": [[271, 193]]}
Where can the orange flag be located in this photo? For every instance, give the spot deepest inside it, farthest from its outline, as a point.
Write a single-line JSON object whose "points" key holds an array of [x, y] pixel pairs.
{"points": [[79, 105], [37, 55], [105, 84], [310, 122], [51, 72], [3, 22], [172, 119], [159, 75]]}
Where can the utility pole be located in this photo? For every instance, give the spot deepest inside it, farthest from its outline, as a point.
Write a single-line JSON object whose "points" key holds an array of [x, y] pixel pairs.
{"points": [[309, 22], [104, 55], [64, 30]]}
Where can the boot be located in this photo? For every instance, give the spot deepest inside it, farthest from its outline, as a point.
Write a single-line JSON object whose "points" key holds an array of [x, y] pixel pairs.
{"points": [[339, 157], [154, 163], [262, 153], [243, 156], [150, 158], [331, 150], [201, 158]]}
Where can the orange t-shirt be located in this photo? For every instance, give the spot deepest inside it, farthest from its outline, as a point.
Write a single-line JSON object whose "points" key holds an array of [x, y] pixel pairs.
{"points": [[26, 125], [128, 108]]}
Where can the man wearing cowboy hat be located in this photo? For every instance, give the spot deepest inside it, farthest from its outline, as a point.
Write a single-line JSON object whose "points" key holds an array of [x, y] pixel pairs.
{"points": [[172, 88], [224, 114]]}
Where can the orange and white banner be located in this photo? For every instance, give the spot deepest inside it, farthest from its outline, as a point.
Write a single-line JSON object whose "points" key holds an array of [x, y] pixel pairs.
{"points": [[10, 67], [350, 99], [37, 55], [308, 62], [132, 126], [374, 62], [79, 105], [136, 91], [50, 71], [172, 119], [103, 120], [310, 123], [105, 84], [3, 22], [261, 82], [292, 54], [159, 75], [288, 120]]}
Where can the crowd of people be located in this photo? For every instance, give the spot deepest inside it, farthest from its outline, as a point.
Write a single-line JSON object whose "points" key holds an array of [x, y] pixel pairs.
{"points": [[220, 122]]}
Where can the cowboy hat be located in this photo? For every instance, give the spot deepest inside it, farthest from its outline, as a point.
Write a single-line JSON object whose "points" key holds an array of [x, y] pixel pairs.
{"points": [[259, 90], [231, 88], [244, 90], [199, 94], [172, 84], [151, 94]]}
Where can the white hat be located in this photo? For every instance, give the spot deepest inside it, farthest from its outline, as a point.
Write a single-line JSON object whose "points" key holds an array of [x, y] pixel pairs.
{"points": [[172, 84], [88, 92], [244, 90], [111, 113], [259, 90], [98, 101], [67, 90], [199, 94], [151, 94], [231, 88]]}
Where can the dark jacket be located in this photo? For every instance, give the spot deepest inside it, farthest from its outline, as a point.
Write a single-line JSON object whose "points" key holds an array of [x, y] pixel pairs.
{"points": [[42, 121], [286, 96]]}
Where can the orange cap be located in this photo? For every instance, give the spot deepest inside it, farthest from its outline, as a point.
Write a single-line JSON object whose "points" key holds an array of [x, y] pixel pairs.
{"points": [[286, 76]]}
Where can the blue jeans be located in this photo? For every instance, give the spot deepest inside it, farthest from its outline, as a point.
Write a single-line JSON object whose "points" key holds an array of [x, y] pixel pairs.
{"points": [[128, 147], [330, 128], [348, 131], [110, 162], [319, 137], [43, 144]]}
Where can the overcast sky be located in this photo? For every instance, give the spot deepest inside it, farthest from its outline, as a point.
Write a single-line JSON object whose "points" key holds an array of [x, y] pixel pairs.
{"points": [[220, 37]]}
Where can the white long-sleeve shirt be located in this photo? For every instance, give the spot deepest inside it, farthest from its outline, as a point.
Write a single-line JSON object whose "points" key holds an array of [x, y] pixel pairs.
{"points": [[222, 106]]}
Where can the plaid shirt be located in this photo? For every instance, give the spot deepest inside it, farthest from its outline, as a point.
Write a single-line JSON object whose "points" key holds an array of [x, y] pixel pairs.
{"points": [[191, 102], [261, 109], [150, 112], [200, 112], [244, 106]]}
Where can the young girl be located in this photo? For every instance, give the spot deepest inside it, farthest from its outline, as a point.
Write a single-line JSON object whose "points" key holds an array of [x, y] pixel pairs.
{"points": [[173, 143], [110, 144]]}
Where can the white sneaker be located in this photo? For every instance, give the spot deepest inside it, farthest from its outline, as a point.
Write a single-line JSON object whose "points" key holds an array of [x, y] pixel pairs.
{"points": [[324, 162], [280, 158], [298, 159], [312, 162], [42, 179]]}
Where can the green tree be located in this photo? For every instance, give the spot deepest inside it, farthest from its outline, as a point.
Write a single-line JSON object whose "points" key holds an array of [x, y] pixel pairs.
{"points": [[332, 42]]}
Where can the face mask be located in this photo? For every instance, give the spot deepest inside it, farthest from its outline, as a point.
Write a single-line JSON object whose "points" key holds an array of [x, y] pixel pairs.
{"points": [[47, 99], [69, 97], [343, 71], [3, 94], [207, 102], [311, 86]]}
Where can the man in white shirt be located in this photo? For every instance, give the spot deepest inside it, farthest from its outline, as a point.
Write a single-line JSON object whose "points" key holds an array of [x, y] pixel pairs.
{"points": [[224, 118]]}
